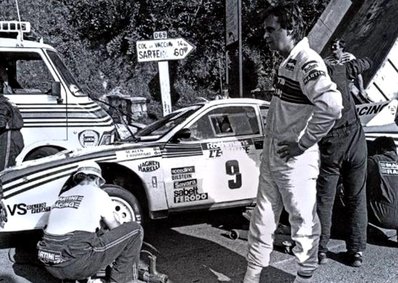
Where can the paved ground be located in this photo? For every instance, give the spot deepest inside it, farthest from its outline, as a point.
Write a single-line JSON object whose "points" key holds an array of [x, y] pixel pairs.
{"points": [[195, 247]]}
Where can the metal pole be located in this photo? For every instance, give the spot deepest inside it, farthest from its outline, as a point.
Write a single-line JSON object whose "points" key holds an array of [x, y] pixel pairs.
{"points": [[240, 48]]}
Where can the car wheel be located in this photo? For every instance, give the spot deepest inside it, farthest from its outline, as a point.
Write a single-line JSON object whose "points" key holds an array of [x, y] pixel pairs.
{"points": [[41, 152], [126, 204]]}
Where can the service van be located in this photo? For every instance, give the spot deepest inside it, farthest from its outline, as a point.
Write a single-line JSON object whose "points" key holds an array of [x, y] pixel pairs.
{"points": [[57, 114]]}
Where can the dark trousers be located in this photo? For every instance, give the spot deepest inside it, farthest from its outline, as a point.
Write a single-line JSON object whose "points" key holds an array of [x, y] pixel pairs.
{"points": [[343, 156], [79, 255]]}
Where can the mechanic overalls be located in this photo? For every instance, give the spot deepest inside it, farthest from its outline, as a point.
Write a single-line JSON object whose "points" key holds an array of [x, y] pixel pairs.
{"points": [[344, 155]]}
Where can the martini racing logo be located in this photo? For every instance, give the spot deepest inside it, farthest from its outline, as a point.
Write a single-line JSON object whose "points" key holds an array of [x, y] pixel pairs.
{"points": [[314, 74], [149, 166]]}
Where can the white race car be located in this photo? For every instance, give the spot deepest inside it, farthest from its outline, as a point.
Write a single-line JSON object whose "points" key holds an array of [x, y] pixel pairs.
{"points": [[205, 156]]}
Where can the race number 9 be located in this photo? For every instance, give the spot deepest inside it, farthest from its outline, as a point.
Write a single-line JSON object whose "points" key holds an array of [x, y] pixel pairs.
{"points": [[232, 168]]}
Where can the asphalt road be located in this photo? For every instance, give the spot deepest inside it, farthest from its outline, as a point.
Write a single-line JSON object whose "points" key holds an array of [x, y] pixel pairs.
{"points": [[195, 247]]}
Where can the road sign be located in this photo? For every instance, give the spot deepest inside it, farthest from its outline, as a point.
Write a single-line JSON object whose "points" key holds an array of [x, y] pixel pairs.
{"points": [[163, 50]]}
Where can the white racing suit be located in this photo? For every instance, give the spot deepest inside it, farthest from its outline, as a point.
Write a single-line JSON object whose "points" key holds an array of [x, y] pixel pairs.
{"points": [[304, 108]]}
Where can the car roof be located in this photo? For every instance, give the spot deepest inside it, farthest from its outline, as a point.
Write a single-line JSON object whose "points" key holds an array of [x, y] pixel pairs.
{"points": [[235, 101]]}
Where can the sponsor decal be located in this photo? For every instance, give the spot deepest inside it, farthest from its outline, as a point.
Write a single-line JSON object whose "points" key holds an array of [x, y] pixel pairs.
{"points": [[68, 202], [149, 166], [88, 138], [188, 195], [183, 170], [388, 168], [314, 74], [371, 109], [50, 257], [216, 149], [23, 208], [309, 66], [290, 64], [138, 153], [185, 184]]}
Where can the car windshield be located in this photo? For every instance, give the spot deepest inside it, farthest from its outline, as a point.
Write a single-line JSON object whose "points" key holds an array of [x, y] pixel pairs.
{"points": [[166, 124]]}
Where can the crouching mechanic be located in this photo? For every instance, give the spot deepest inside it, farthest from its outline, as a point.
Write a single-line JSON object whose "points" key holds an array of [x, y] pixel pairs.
{"points": [[73, 246]]}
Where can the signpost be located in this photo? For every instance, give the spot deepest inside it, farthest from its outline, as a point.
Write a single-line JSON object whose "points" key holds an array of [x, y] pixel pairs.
{"points": [[163, 49]]}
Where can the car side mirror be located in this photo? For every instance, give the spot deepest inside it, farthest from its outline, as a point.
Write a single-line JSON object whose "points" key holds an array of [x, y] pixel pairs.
{"points": [[56, 91], [181, 134]]}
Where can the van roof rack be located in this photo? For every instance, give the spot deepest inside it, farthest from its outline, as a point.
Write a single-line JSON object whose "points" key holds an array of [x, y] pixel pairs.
{"points": [[15, 27]]}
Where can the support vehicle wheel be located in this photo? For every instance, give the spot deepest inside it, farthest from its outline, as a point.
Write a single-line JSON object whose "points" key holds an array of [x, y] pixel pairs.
{"points": [[41, 152], [126, 204]]}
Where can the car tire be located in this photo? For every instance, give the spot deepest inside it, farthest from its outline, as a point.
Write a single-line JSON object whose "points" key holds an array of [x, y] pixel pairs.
{"points": [[127, 206], [41, 152]]}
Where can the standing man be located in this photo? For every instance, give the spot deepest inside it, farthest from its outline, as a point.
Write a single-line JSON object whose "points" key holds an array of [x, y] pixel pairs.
{"points": [[11, 122], [304, 108], [343, 157], [339, 57], [73, 246]]}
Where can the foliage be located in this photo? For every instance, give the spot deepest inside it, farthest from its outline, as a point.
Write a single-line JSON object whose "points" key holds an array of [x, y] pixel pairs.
{"points": [[97, 40]]}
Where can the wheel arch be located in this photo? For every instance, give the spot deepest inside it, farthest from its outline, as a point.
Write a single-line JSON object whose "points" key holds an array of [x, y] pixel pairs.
{"points": [[122, 176], [54, 148]]}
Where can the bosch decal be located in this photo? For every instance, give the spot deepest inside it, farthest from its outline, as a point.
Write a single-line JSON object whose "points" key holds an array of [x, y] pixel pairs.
{"points": [[23, 208], [149, 166]]}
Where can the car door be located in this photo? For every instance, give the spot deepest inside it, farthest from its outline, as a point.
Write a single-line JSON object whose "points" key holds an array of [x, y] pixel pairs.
{"points": [[225, 168]]}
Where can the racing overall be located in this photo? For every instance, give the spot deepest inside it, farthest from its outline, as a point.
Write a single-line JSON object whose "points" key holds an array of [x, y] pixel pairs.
{"points": [[11, 140], [344, 156], [304, 108], [382, 187], [71, 247]]}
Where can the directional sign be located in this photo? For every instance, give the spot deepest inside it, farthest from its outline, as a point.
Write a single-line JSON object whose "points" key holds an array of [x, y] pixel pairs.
{"points": [[163, 50]]}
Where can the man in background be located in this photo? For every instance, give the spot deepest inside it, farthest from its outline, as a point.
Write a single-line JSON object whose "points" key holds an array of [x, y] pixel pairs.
{"points": [[339, 57], [382, 184]]}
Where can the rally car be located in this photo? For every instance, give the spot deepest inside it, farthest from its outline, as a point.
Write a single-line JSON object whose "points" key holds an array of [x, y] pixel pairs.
{"points": [[205, 156]]}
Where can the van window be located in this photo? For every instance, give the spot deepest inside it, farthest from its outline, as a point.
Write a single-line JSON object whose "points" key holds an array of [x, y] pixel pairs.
{"points": [[27, 73]]}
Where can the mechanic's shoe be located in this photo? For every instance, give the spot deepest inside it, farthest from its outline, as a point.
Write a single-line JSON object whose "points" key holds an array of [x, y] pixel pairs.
{"points": [[322, 258], [355, 259]]}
